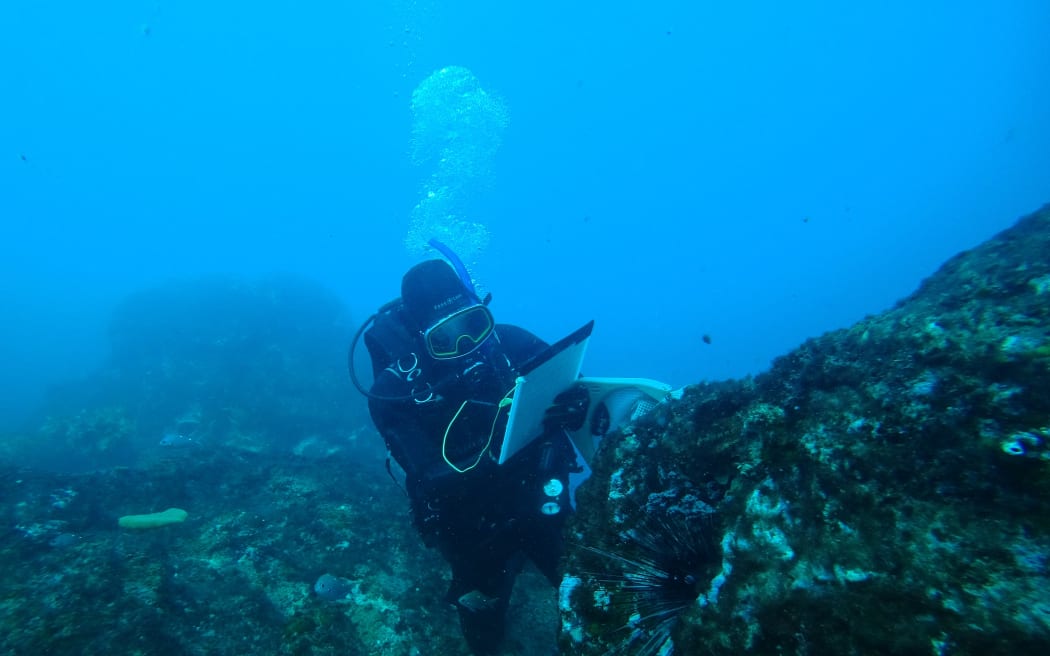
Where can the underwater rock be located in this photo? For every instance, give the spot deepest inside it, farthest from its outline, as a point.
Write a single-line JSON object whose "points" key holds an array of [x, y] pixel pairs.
{"points": [[199, 364], [881, 489], [233, 578]]}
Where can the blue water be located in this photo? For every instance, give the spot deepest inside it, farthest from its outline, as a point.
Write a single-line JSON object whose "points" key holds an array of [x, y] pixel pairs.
{"points": [[758, 172]]}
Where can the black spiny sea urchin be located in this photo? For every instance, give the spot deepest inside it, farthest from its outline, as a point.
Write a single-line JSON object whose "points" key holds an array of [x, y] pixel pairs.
{"points": [[660, 570]]}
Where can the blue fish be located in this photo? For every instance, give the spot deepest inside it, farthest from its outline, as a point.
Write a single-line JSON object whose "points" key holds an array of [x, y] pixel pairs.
{"points": [[63, 540], [333, 588], [173, 439]]}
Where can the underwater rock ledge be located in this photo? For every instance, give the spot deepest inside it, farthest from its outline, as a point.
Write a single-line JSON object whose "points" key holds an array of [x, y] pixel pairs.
{"points": [[881, 489]]}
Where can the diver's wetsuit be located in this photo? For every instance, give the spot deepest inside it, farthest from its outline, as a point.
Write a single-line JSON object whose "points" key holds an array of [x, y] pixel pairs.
{"points": [[487, 520]]}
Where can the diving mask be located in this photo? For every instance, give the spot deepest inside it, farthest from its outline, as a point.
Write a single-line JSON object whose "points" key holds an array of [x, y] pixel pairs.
{"points": [[459, 333]]}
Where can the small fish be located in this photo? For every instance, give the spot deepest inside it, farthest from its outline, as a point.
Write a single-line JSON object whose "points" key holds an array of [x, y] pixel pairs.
{"points": [[64, 540], [706, 338], [175, 440], [333, 588], [476, 601]]}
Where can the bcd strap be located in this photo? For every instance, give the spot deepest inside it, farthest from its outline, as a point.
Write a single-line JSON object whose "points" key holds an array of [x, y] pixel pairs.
{"points": [[388, 339], [390, 471]]}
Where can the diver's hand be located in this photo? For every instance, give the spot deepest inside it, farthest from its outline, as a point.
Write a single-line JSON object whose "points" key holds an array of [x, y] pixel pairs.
{"points": [[569, 409]]}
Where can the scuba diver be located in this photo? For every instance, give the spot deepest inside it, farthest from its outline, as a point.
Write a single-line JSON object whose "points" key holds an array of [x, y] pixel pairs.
{"points": [[444, 373]]}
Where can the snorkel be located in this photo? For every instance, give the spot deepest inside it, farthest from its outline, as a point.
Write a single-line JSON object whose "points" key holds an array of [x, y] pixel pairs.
{"points": [[461, 269]]}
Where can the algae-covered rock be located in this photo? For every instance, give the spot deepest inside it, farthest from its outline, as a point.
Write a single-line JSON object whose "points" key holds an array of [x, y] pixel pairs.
{"points": [[265, 527], [882, 489]]}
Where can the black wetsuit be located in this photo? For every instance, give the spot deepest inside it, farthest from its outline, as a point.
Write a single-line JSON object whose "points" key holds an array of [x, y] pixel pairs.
{"points": [[486, 520]]}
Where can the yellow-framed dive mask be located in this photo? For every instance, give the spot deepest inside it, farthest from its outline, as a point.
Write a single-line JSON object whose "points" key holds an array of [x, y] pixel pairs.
{"points": [[459, 333]]}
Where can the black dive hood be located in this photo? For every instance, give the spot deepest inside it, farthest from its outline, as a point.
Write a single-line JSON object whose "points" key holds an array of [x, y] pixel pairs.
{"points": [[389, 316]]}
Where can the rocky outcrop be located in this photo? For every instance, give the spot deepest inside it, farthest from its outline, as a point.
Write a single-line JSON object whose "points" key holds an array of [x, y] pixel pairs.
{"points": [[238, 575], [882, 489]]}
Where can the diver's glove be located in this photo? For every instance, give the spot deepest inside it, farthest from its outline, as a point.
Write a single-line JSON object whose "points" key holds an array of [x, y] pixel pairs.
{"points": [[569, 410]]}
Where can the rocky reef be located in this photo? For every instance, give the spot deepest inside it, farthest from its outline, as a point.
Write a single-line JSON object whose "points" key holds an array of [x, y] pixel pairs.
{"points": [[881, 489], [238, 575], [209, 363]]}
